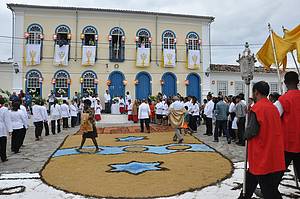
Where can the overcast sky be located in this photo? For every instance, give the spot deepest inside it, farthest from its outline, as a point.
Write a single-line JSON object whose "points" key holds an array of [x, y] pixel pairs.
{"points": [[235, 21]]}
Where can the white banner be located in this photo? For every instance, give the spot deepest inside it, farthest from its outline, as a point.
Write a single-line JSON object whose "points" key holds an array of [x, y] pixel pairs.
{"points": [[88, 55], [193, 59], [143, 57], [61, 55], [169, 57], [33, 54]]}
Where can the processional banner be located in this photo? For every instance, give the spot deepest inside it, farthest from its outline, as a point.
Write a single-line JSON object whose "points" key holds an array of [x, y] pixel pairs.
{"points": [[33, 54], [143, 57], [193, 59], [61, 55], [88, 55], [169, 57]]}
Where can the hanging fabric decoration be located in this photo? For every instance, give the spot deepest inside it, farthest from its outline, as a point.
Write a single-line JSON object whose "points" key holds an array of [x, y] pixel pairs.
{"points": [[88, 55], [61, 55], [143, 57], [169, 57], [193, 59], [33, 54]]}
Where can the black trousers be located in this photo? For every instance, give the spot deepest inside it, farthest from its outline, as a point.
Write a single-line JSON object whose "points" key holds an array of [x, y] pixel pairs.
{"points": [[268, 184], [3, 143], [46, 126], [295, 157], [78, 118], [16, 139], [221, 126], [65, 122], [73, 121], [107, 107], [208, 126], [193, 122], [38, 128], [147, 122], [23, 136], [241, 129], [53, 125]]}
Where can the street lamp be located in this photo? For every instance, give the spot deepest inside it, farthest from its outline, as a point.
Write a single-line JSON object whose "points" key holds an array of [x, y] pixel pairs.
{"points": [[246, 62], [16, 67]]}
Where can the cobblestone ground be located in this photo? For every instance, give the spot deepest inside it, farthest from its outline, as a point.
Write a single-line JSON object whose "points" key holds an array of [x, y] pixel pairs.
{"points": [[35, 153]]}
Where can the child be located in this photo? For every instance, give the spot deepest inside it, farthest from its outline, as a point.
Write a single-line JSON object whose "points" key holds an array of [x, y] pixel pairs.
{"points": [[122, 105], [152, 112], [88, 126], [129, 108], [98, 109]]}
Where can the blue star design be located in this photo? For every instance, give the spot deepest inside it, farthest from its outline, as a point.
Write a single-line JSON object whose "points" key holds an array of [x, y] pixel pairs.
{"points": [[136, 167], [131, 139]]}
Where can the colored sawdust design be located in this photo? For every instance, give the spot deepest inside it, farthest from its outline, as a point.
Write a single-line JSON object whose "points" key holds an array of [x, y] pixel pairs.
{"points": [[153, 167], [131, 138], [131, 129]]}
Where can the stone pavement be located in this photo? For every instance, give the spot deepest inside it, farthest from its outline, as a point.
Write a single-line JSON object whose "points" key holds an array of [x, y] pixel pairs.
{"points": [[34, 153]]}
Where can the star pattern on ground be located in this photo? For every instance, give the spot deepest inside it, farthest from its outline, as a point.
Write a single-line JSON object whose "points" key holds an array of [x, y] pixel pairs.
{"points": [[136, 167]]}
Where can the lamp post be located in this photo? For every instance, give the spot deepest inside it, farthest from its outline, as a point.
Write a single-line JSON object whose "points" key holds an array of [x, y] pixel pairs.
{"points": [[246, 62]]}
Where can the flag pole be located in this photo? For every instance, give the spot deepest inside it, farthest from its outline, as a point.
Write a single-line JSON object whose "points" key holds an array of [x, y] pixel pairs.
{"points": [[292, 53], [275, 58]]}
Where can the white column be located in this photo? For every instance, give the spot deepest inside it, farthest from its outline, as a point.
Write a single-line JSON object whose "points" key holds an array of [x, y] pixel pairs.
{"points": [[18, 79], [205, 59]]}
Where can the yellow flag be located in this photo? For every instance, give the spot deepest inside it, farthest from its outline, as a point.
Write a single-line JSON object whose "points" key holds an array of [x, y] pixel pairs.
{"points": [[266, 55], [293, 36]]}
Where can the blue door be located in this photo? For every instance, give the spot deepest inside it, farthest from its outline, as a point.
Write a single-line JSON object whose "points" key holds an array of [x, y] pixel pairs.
{"points": [[116, 87], [143, 87], [193, 88], [169, 87]]}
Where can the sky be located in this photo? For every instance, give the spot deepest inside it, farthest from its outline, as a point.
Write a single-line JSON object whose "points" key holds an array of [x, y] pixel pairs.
{"points": [[235, 21]]}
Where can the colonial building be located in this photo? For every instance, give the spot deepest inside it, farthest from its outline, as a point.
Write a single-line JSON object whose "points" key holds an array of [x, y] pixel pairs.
{"points": [[227, 79], [89, 50]]}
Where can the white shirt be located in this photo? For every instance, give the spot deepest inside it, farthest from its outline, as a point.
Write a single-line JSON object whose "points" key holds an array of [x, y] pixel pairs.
{"points": [[177, 105], [5, 122], [107, 98], [25, 114], [37, 113], [165, 109], [121, 102], [279, 107], [55, 112], [195, 109], [159, 108], [209, 108], [73, 110], [98, 109], [144, 111], [17, 120], [127, 97], [231, 107], [45, 114], [130, 109], [65, 110]]}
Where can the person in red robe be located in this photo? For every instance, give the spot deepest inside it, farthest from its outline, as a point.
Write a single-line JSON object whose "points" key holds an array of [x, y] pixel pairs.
{"points": [[289, 109], [152, 109], [265, 146]]}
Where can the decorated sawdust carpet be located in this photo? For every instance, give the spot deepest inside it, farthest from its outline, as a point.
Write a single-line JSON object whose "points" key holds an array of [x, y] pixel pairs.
{"points": [[134, 166]]}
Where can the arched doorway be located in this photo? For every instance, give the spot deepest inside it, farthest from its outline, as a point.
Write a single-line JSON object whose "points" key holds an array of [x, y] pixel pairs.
{"points": [[143, 85], [169, 86], [34, 82], [116, 86], [193, 87]]}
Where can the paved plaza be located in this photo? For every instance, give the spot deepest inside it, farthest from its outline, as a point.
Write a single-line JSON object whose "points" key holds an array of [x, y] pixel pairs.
{"points": [[23, 169]]}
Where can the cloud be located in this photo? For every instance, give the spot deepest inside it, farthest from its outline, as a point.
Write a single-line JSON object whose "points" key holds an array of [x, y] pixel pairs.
{"points": [[236, 21]]}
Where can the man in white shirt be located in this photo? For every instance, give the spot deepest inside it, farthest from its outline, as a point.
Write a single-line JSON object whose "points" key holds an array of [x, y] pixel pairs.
{"points": [[5, 128], [24, 111], [208, 112], [159, 110], [144, 115], [73, 113], [51, 98], [107, 100], [65, 114], [45, 118], [38, 120]]}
